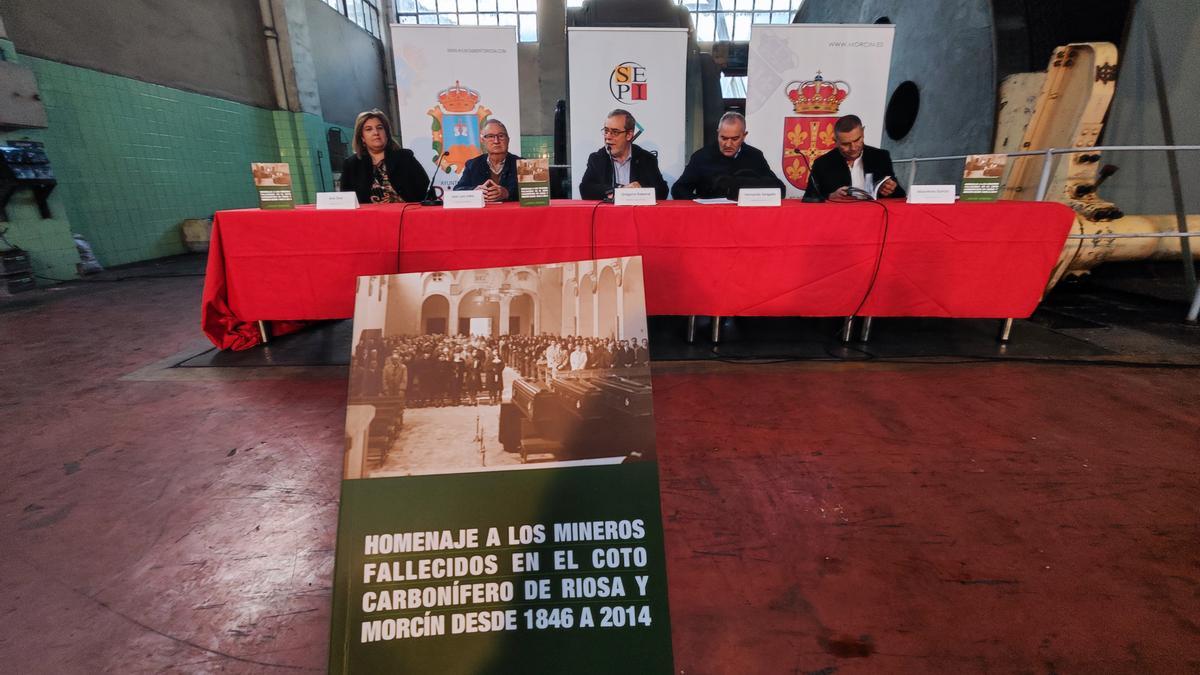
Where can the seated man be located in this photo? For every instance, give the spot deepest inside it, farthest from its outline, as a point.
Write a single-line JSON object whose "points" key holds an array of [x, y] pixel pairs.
{"points": [[495, 173], [853, 164], [720, 169], [620, 163]]}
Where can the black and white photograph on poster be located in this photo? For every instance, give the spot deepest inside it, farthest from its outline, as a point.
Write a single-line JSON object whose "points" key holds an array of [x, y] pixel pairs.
{"points": [[498, 369]]}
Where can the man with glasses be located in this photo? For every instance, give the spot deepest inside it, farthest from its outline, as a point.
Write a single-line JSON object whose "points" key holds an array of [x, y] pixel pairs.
{"points": [[494, 172], [620, 163]]}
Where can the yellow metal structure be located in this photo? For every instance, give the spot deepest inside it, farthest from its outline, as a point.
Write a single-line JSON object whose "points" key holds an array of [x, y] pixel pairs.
{"points": [[1065, 108]]}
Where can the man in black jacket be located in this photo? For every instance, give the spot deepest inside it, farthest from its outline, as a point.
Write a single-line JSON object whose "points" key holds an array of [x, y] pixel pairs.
{"points": [[620, 163], [495, 171], [720, 169], [853, 164]]}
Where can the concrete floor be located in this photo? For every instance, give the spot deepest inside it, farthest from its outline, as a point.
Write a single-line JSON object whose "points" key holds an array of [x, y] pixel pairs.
{"points": [[866, 517]]}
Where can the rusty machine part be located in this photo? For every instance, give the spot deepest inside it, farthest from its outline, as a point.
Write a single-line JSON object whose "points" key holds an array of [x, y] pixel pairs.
{"points": [[1068, 110], [1065, 107]]}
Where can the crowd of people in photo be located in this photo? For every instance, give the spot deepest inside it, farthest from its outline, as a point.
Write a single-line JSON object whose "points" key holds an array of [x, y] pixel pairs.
{"points": [[544, 356], [428, 370], [442, 370]]}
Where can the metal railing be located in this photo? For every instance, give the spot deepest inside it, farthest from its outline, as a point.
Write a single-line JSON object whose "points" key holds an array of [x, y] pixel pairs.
{"points": [[1044, 185], [1048, 158]]}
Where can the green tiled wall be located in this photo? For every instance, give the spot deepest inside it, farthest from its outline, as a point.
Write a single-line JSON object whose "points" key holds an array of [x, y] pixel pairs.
{"points": [[134, 159], [537, 146]]}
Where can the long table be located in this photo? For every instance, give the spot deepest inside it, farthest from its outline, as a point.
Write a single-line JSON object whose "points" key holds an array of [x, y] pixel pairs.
{"points": [[889, 258]]}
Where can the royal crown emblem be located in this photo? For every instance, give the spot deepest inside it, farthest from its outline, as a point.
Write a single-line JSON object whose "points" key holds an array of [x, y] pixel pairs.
{"points": [[816, 96], [458, 99], [810, 134]]}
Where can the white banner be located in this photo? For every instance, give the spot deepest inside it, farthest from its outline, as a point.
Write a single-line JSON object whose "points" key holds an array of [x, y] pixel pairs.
{"points": [[642, 70], [449, 80], [802, 77]]}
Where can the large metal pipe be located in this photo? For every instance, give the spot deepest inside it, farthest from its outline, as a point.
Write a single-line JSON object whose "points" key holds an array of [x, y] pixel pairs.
{"points": [[1080, 255], [274, 56]]}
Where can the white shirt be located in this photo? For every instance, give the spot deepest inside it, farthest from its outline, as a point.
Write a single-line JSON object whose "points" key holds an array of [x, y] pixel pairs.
{"points": [[857, 178], [554, 358], [578, 360]]}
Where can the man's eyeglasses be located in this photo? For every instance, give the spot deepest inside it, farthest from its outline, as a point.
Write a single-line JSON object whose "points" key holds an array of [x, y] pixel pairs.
{"points": [[495, 137], [609, 131]]}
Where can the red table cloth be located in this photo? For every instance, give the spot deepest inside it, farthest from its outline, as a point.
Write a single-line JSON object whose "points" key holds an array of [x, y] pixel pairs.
{"points": [[888, 258]]}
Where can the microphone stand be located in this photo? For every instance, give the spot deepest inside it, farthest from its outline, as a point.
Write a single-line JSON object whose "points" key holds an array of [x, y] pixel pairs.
{"points": [[429, 200], [811, 196], [610, 193]]}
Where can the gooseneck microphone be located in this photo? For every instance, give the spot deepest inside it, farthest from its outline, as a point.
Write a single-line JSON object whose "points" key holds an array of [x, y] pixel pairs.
{"points": [[812, 194], [429, 200], [610, 193]]}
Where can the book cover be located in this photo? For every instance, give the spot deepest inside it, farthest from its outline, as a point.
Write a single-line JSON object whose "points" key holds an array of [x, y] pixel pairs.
{"points": [[274, 184], [981, 177], [500, 506], [533, 182]]}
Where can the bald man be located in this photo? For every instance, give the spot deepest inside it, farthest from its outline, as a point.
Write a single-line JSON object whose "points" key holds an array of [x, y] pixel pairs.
{"points": [[721, 168]]}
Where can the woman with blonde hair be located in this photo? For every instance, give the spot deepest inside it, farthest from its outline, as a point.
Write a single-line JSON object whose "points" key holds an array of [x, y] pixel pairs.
{"points": [[379, 170]]}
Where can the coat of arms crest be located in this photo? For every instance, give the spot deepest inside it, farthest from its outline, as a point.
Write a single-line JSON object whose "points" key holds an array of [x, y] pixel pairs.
{"points": [[811, 135], [457, 119]]}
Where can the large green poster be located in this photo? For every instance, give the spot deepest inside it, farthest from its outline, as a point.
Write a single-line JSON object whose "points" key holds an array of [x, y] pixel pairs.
{"points": [[500, 512]]}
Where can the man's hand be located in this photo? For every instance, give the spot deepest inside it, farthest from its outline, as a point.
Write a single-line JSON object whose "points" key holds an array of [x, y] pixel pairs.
{"points": [[842, 192], [889, 186], [634, 184], [492, 192]]}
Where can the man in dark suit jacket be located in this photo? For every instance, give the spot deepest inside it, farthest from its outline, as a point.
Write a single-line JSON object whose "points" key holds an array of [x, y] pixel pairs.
{"points": [[495, 171], [853, 164], [722, 168], [620, 163]]}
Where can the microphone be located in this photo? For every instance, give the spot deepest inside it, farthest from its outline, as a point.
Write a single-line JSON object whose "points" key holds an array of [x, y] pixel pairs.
{"points": [[612, 163], [610, 193], [429, 200], [813, 194]]}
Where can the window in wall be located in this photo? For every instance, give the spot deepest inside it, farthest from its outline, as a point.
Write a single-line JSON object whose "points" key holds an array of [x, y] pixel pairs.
{"points": [[364, 13], [717, 20], [519, 13], [733, 86]]}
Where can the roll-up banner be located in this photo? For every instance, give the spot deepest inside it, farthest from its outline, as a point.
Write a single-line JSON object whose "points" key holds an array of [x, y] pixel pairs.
{"points": [[500, 505], [642, 70], [802, 77], [449, 80]]}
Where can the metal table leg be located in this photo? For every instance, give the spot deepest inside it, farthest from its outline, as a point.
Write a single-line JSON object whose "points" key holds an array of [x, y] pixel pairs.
{"points": [[716, 333], [847, 328], [1006, 330], [691, 330], [263, 332], [866, 329]]}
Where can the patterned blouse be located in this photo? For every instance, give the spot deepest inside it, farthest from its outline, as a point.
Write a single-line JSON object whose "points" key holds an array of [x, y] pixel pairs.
{"points": [[381, 188]]}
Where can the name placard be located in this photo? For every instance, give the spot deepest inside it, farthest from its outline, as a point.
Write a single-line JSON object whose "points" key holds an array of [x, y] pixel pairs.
{"points": [[337, 200], [931, 194], [634, 197], [463, 199], [759, 197]]}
